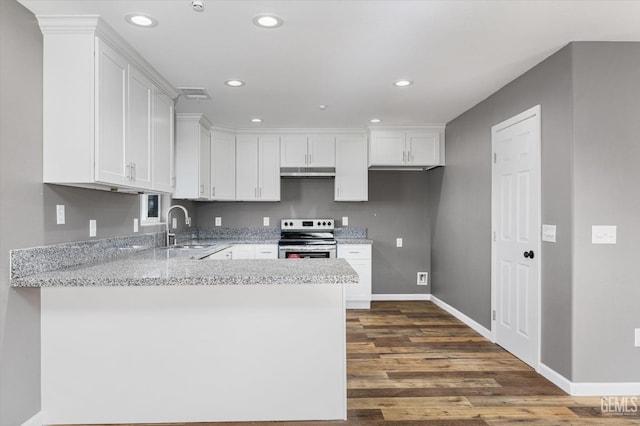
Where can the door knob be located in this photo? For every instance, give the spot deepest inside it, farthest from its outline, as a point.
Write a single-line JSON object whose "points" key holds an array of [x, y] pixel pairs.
{"points": [[528, 254]]}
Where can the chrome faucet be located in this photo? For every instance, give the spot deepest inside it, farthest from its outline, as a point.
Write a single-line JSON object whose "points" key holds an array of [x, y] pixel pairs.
{"points": [[187, 221]]}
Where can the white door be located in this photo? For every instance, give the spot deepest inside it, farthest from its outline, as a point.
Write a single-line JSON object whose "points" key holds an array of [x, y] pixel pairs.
{"points": [[111, 116], [205, 164], [423, 148], [138, 145], [223, 166], [293, 151], [246, 168], [163, 142], [322, 151], [352, 174], [269, 168], [516, 230]]}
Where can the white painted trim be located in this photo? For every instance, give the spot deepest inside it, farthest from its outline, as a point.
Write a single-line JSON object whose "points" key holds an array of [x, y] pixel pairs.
{"points": [[476, 326], [587, 388], [605, 389], [398, 297], [554, 377], [301, 131], [35, 420]]}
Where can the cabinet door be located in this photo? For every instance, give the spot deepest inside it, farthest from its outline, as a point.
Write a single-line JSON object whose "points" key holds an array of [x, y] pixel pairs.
{"points": [[423, 148], [322, 151], [246, 168], [223, 166], [205, 164], [111, 116], [352, 174], [358, 296], [269, 168], [163, 142], [387, 148], [266, 251], [243, 251], [138, 143], [293, 151]]}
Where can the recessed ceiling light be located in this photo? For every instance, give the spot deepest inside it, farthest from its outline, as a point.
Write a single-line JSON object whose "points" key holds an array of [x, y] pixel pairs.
{"points": [[140, 20], [323, 107], [375, 120], [403, 83], [256, 120], [268, 21], [235, 83]]}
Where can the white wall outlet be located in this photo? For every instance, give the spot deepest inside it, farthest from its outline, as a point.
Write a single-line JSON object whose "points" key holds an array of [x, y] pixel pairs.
{"points": [[637, 337], [60, 214], [423, 278], [136, 224], [603, 234], [398, 242], [174, 222], [345, 220], [93, 228], [265, 221], [549, 233], [218, 221]]}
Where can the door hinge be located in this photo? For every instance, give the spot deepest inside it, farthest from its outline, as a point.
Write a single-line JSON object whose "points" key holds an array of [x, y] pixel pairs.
{"points": [[494, 315]]}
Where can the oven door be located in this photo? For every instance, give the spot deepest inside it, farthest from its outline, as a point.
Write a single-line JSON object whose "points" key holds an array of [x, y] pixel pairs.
{"points": [[307, 252]]}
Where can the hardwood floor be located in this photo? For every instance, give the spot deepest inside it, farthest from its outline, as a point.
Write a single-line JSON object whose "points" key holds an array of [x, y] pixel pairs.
{"points": [[413, 363]]}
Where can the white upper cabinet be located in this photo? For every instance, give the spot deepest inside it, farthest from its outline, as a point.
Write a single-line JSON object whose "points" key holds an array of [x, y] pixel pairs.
{"points": [[164, 175], [105, 136], [398, 147], [257, 168], [138, 144], [307, 151], [352, 174], [193, 157], [223, 166]]}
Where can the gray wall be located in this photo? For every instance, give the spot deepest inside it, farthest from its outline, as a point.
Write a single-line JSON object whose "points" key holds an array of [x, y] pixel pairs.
{"points": [[397, 207], [606, 192], [27, 209], [461, 204]]}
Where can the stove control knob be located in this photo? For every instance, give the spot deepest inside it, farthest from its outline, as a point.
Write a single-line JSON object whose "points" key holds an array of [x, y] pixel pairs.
{"points": [[329, 223], [319, 223], [324, 223]]}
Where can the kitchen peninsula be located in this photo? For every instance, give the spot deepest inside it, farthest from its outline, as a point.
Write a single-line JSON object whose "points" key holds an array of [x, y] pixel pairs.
{"points": [[157, 336]]}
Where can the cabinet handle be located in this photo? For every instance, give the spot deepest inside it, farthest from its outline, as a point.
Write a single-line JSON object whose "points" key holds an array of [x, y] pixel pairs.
{"points": [[404, 156], [409, 157], [127, 172], [213, 191], [310, 160], [255, 192], [133, 171], [260, 192], [202, 189]]}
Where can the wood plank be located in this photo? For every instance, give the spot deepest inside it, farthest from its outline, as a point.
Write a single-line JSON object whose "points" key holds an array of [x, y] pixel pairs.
{"points": [[485, 413]]}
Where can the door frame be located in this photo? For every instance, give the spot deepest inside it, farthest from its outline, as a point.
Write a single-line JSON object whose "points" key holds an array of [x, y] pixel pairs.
{"points": [[531, 112]]}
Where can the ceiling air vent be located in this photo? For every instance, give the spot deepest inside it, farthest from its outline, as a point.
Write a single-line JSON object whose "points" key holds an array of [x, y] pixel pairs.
{"points": [[194, 93]]}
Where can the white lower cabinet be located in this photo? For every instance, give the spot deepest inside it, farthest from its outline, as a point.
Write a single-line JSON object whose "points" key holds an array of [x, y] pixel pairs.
{"points": [[358, 296], [255, 251], [222, 254]]}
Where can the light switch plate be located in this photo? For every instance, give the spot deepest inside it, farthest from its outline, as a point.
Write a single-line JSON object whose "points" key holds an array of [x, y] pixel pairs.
{"points": [[265, 221], [345, 220], [398, 242], [603, 234], [135, 224], [93, 228], [218, 221], [549, 233], [60, 214], [637, 337]]}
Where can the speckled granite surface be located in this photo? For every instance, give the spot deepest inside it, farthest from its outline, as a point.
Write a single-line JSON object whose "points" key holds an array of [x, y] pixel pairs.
{"points": [[253, 234], [350, 233], [58, 256], [353, 241], [157, 267]]}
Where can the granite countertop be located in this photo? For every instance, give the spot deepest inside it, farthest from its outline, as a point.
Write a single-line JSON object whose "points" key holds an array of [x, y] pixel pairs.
{"points": [[159, 266], [354, 241]]}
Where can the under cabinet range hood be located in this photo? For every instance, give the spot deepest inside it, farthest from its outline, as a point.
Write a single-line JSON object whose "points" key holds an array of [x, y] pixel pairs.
{"points": [[307, 172]]}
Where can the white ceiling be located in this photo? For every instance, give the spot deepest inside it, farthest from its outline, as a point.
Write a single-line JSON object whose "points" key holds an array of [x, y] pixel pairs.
{"points": [[347, 53]]}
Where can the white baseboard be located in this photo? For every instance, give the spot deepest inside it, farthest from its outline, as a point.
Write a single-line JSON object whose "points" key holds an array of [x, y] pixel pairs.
{"points": [[358, 304], [605, 389], [35, 420], [588, 389], [555, 378], [400, 297], [484, 332]]}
